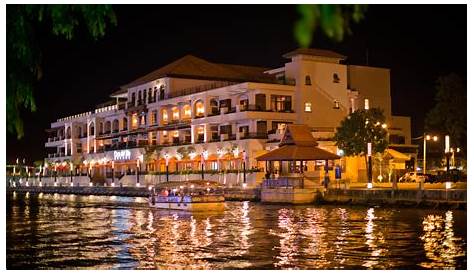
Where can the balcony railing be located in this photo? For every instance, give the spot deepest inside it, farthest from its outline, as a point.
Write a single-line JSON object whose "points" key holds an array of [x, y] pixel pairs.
{"points": [[253, 135], [200, 88], [252, 108]]}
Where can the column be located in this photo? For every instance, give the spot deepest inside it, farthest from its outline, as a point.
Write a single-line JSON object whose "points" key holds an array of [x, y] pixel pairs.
{"points": [[207, 132], [193, 133], [234, 130], [253, 126], [251, 96], [268, 101], [88, 133]]}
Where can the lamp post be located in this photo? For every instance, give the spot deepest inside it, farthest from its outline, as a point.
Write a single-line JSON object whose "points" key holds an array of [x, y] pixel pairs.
{"points": [[113, 172], [369, 165], [202, 166], [138, 172], [447, 152], [426, 138], [167, 159], [70, 172], [244, 156]]}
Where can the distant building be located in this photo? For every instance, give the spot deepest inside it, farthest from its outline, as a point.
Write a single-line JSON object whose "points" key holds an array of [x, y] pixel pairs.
{"points": [[220, 112]]}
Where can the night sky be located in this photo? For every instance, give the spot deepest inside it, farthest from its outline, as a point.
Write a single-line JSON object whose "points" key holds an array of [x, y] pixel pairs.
{"points": [[417, 42]]}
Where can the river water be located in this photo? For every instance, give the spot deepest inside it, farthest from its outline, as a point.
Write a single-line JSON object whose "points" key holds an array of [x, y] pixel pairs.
{"points": [[47, 231]]}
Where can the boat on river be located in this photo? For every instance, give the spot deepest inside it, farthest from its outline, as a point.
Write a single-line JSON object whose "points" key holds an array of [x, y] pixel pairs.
{"points": [[195, 196]]}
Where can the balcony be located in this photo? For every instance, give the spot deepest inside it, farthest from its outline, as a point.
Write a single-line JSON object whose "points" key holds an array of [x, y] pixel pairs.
{"points": [[252, 108], [253, 135], [57, 155], [200, 88], [228, 137]]}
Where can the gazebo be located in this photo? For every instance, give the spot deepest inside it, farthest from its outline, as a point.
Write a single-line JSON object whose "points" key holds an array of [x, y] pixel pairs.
{"points": [[296, 148]]}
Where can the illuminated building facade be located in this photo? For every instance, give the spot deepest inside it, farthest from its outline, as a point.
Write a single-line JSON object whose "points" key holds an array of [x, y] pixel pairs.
{"points": [[193, 112]]}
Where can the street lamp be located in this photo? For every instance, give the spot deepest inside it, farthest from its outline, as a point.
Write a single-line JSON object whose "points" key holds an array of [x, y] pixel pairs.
{"points": [[167, 159], [369, 160], [427, 138], [447, 152]]}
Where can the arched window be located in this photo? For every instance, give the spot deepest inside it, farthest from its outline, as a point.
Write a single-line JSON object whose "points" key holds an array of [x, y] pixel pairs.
{"points": [[153, 117], [244, 102], [68, 133], [133, 98], [162, 92], [91, 129], [124, 123], [149, 96], [198, 109], [155, 91], [101, 128], [186, 112], [78, 132], [115, 125], [175, 113], [144, 96], [107, 127], [335, 78], [307, 80], [139, 97], [164, 115], [214, 106]]}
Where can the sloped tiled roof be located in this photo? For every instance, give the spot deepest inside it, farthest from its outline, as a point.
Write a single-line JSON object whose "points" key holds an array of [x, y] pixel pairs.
{"points": [[299, 135], [315, 52], [297, 144], [193, 67], [297, 153]]}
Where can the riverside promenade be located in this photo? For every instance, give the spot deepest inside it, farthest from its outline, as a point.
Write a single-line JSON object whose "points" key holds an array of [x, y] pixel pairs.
{"points": [[231, 194], [406, 195]]}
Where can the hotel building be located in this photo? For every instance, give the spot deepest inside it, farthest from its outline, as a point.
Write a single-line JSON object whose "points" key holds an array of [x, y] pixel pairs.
{"points": [[193, 114]]}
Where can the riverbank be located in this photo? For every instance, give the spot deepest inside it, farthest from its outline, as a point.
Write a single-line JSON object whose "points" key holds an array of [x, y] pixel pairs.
{"points": [[428, 198], [229, 194], [432, 198]]}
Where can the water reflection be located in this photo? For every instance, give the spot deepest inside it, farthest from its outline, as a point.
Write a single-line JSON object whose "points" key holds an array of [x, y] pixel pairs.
{"points": [[64, 231], [441, 246]]}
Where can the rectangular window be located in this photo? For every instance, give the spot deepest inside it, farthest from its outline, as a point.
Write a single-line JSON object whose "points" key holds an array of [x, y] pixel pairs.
{"points": [[134, 121], [79, 148], [280, 103], [153, 118], [307, 107], [366, 104]]}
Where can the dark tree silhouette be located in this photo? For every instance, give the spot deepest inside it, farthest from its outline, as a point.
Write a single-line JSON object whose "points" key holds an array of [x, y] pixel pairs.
{"points": [[24, 49]]}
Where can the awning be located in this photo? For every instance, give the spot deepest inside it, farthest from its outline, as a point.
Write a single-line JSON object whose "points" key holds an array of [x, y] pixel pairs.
{"points": [[395, 155], [297, 153]]}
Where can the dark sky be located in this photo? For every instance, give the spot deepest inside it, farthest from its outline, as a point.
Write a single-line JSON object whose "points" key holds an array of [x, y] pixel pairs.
{"points": [[417, 42]]}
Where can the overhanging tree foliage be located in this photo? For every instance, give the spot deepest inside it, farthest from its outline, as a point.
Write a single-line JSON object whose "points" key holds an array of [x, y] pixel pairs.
{"points": [[333, 19], [360, 128], [449, 115], [24, 49]]}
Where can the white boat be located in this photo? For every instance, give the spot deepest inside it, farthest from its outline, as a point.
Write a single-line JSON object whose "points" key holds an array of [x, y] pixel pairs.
{"points": [[190, 196], [201, 202]]}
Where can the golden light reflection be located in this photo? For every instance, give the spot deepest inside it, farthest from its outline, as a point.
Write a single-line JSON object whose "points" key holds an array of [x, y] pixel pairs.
{"points": [[441, 246], [289, 247], [125, 233], [373, 240]]}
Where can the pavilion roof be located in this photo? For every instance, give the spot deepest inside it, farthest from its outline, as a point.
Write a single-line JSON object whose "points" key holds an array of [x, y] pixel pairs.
{"points": [[297, 153], [297, 144]]}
